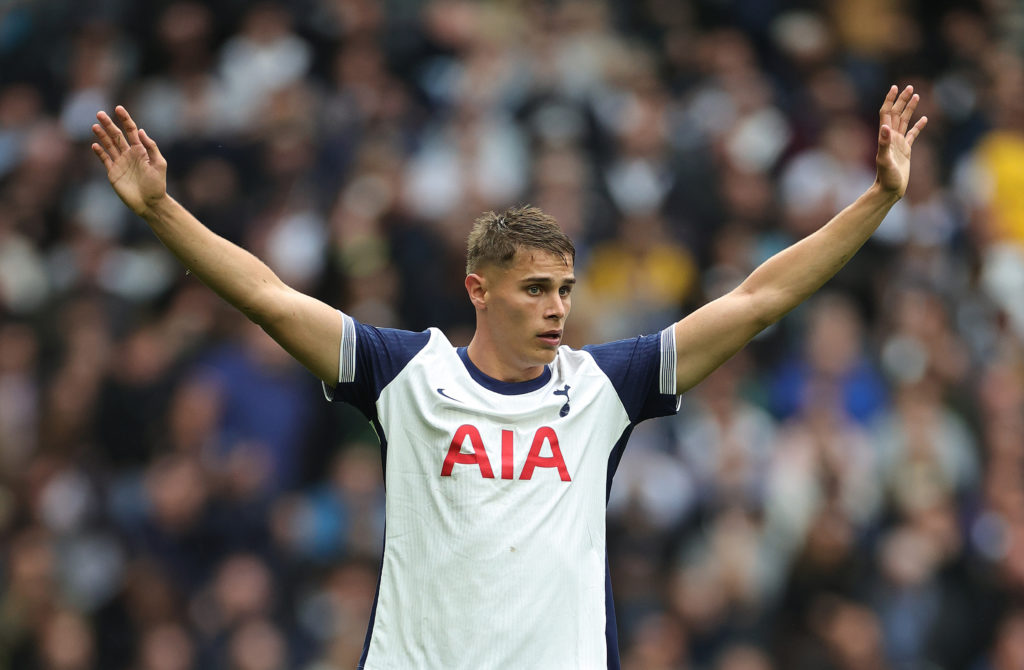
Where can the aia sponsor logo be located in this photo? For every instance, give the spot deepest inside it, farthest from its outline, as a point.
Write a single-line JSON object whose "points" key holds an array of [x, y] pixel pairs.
{"points": [[477, 454]]}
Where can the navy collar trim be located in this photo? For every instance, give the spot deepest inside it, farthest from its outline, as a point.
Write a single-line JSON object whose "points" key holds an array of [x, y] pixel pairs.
{"points": [[498, 386]]}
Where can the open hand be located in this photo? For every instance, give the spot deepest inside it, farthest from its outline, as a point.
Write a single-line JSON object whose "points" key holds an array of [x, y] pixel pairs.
{"points": [[892, 161], [135, 167]]}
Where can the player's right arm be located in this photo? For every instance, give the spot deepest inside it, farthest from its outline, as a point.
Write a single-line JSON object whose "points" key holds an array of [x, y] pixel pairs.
{"points": [[307, 328], [712, 334]]}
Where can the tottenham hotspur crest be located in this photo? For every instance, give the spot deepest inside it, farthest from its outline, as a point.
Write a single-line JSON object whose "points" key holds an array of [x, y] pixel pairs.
{"points": [[565, 407]]}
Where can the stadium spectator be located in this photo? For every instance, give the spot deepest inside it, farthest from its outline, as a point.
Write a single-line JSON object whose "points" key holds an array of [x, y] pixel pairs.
{"points": [[100, 335]]}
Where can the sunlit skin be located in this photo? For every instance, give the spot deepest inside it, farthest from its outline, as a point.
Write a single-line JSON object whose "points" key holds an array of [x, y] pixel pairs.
{"points": [[520, 313]]}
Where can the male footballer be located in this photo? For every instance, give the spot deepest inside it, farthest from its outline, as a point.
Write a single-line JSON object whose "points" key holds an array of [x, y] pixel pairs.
{"points": [[498, 456]]}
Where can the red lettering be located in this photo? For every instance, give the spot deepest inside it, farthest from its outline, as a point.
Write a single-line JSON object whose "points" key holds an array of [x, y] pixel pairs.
{"points": [[478, 455], [535, 460], [506, 454]]}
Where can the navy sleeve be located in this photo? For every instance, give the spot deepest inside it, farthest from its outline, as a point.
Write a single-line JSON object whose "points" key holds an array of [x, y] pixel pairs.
{"points": [[642, 370], [370, 358]]}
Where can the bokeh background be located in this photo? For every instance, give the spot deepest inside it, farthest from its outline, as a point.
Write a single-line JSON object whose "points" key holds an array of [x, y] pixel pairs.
{"points": [[846, 494]]}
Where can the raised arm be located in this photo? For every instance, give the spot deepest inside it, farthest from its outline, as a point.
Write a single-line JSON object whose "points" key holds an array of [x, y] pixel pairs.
{"points": [[709, 336], [307, 328]]}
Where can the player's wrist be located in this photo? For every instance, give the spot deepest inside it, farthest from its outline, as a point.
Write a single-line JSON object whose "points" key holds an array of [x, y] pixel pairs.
{"points": [[879, 191], [155, 208]]}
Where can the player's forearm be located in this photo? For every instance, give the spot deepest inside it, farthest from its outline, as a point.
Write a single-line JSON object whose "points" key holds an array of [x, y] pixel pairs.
{"points": [[233, 273], [795, 273]]}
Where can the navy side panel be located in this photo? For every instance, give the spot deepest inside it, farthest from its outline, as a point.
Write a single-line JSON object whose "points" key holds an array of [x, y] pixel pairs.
{"points": [[611, 632], [611, 629]]}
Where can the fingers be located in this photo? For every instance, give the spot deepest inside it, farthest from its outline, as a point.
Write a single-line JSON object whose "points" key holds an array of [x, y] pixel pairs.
{"points": [[110, 136], [151, 148], [898, 109], [899, 106], [106, 132], [916, 130], [102, 154], [908, 111], [130, 129], [885, 113]]}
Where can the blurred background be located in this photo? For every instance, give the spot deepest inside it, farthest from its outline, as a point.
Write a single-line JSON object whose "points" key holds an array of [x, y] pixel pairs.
{"points": [[846, 494]]}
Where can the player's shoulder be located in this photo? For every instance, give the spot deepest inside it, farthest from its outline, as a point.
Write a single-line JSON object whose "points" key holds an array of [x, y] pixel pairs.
{"points": [[626, 359], [382, 353], [626, 348], [407, 341], [569, 361], [571, 354], [428, 348]]}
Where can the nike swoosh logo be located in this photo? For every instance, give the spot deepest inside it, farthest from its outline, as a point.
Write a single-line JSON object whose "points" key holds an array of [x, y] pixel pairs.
{"points": [[441, 391]]}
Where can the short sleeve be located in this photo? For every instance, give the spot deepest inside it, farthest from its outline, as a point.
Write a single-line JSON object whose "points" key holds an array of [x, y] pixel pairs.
{"points": [[369, 359], [643, 372]]}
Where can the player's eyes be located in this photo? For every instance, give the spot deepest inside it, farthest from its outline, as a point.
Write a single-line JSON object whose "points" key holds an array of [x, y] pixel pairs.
{"points": [[564, 291], [533, 290]]}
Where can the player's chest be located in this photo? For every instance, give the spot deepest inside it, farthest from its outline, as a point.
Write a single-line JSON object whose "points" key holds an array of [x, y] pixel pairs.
{"points": [[459, 431]]}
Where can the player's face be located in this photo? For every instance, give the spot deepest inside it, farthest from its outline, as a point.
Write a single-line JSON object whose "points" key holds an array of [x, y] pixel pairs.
{"points": [[527, 305]]}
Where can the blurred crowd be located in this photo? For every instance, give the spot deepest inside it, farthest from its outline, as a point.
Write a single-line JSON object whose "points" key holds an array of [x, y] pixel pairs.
{"points": [[846, 494]]}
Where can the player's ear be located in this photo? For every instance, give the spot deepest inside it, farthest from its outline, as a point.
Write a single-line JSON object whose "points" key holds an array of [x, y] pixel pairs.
{"points": [[476, 287]]}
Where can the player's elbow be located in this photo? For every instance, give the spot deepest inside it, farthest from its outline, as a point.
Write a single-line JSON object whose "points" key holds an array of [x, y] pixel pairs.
{"points": [[763, 306], [255, 313], [265, 305]]}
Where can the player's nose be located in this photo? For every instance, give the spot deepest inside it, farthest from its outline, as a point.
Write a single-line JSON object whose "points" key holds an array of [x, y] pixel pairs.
{"points": [[555, 308]]}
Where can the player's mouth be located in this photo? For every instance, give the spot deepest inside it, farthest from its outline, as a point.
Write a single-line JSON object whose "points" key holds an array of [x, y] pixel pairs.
{"points": [[551, 338]]}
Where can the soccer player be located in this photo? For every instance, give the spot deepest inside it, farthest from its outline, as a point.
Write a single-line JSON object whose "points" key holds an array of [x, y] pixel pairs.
{"points": [[498, 456]]}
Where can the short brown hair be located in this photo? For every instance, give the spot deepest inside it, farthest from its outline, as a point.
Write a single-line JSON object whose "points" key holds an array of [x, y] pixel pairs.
{"points": [[496, 238]]}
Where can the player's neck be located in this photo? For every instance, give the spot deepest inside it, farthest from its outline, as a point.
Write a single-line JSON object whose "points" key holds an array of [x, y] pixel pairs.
{"points": [[487, 361]]}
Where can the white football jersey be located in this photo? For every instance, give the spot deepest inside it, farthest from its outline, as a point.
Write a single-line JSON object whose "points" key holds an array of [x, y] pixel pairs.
{"points": [[494, 551]]}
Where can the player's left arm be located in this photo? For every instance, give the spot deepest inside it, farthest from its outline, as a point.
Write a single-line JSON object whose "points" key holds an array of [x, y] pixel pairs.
{"points": [[712, 334]]}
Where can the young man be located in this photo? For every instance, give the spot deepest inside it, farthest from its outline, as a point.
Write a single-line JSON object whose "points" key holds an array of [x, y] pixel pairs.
{"points": [[498, 456]]}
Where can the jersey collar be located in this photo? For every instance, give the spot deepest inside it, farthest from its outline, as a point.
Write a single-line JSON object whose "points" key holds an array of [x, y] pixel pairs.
{"points": [[498, 386]]}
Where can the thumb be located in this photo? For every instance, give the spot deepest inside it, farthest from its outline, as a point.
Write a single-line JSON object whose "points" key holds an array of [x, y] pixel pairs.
{"points": [[884, 135]]}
